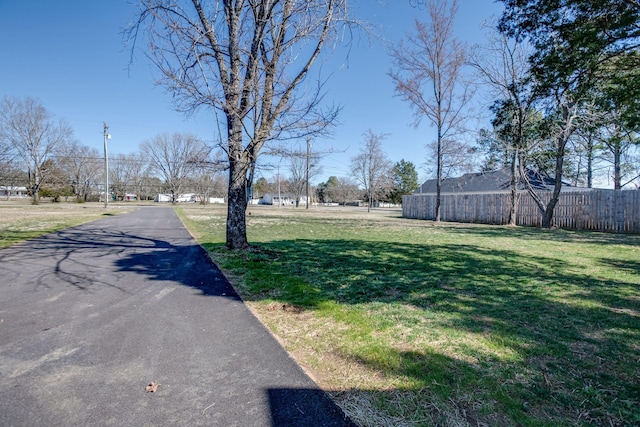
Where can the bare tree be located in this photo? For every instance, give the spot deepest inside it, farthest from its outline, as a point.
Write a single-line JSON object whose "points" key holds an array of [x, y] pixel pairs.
{"points": [[219, 186], [343, 190], [128, 174], [205, 171], [172, 157], [563, 120], [297, 169], [82, 165], [634, 169], [246, 60], [33, 134], [117, 176], [12, 177], [457, 158], [503, 65], [304, 165], [372, 169], [10, 174], [428, 75], [6, 151], [619, 143], [586, 144], [137, 169], [151, 186], [520, 123], [56, 183]]}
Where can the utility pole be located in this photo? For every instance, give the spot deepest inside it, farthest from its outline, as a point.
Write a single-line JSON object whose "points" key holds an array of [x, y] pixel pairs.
{"points": [[279, 196], [307, 175], [106, 165], [282, 153]]}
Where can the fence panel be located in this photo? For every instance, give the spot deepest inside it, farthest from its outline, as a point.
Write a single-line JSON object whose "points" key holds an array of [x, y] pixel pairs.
{"points": [[595, 210]]}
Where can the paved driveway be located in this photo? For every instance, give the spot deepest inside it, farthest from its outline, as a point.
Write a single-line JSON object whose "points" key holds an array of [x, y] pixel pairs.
{"points": [[91, 315]]}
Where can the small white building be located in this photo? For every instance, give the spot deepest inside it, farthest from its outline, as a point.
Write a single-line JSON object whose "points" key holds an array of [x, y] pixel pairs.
{"points": [[186, 198], [12, 191], [182, 198], [284, 199]]}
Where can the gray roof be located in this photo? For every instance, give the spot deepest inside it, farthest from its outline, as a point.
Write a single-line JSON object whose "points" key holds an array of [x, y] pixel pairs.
{"points": [[486, 182]]}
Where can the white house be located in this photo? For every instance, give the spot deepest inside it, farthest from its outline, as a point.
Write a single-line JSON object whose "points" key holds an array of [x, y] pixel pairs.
{"points": [[11, 191], [186, 198], [284, 199], [182, 198]]}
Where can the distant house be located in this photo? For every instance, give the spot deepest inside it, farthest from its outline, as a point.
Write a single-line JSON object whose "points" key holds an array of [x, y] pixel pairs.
{"points": [[11, 191], [182, 198], [283, 199], [212, 200], [186, 198], [488, 182]]}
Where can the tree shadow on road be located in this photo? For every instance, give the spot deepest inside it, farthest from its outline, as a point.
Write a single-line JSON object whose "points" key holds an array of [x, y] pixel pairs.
{"points": [[94, 255]]}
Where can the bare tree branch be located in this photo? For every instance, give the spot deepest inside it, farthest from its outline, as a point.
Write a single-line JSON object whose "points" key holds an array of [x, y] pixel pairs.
{"points": [[34, 135], [248, 60], [428, 75]]}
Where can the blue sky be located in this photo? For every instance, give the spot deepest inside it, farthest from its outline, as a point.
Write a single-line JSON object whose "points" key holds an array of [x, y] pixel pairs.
{"points": [[70, 55]]}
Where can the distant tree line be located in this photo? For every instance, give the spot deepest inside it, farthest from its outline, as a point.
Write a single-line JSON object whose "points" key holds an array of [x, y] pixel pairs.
{"points": [[41, 154], [373, 178]]}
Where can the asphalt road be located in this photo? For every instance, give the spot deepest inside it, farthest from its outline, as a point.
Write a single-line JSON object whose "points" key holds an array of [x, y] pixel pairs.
{"points": [[91, 315]]}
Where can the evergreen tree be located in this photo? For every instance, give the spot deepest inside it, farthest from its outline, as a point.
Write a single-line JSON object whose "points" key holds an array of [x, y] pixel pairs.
{"points": [[405, 181]]}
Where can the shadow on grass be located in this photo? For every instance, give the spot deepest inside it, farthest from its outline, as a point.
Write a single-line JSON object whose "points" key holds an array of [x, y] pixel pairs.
{"points": [[628, 266], [533, 233], [573, 337]]}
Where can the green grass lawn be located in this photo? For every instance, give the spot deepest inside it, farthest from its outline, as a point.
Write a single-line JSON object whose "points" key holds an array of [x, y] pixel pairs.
{"points": [[412, 323]]}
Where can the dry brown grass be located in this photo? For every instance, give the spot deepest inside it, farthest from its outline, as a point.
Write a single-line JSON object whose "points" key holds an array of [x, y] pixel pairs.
{"points": [[20, 220]]}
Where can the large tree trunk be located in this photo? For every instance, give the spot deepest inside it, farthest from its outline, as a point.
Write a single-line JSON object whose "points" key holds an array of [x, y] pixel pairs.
{"points": [[561, 144], [237, 207], [35, 188], [513, 211], [547, 217], [590, 163], [617, 169], [237, 193]]}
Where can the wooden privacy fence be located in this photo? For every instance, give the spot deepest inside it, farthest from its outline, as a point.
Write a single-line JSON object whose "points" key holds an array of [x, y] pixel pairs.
{"points": [[596, 210]]}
